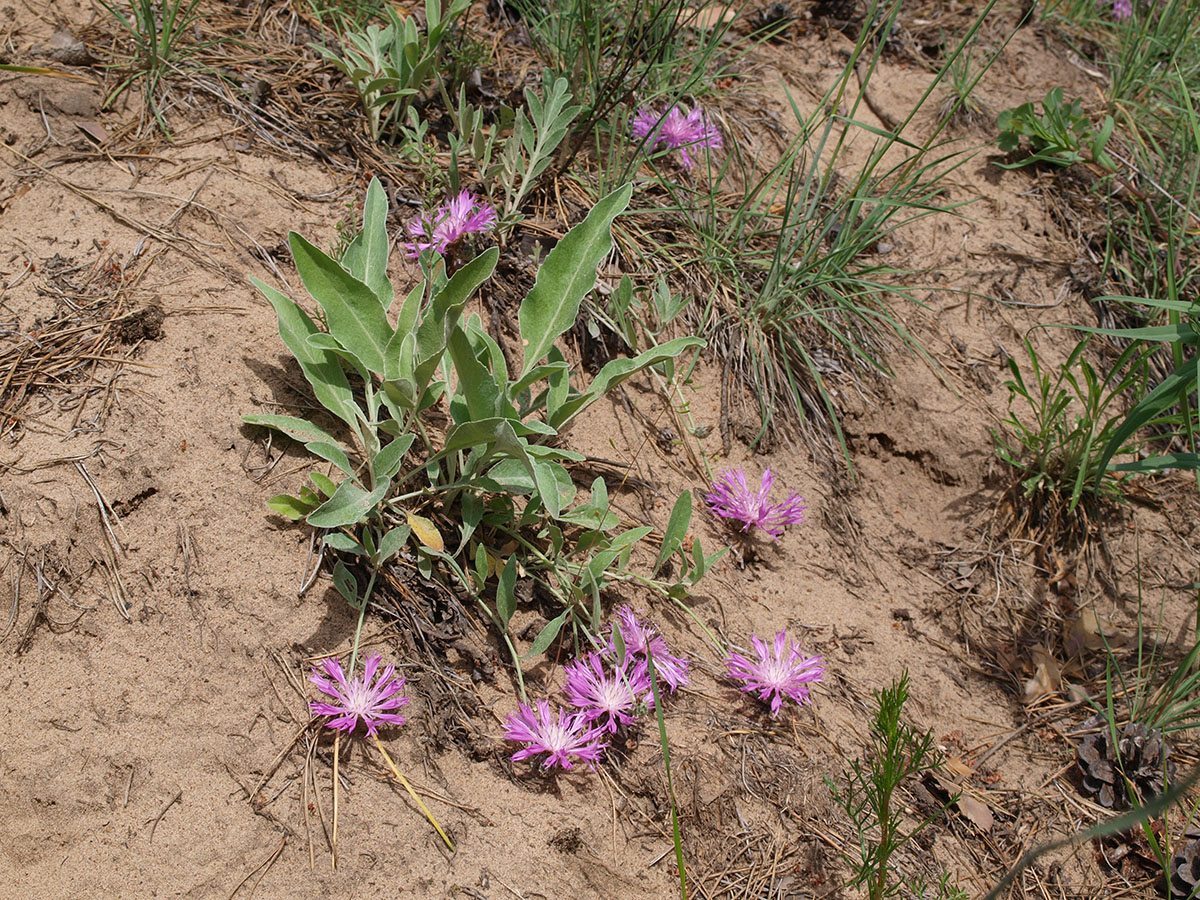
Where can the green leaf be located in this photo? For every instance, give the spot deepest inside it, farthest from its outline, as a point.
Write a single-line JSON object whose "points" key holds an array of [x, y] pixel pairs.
{"points": [[677, 526], [476, 384], [547, 634], [398, 363], [349, 505], [298, 429], [325, 341], [375, 244], [506, 597], [390, 458], [320, 367], [341, 541], [291, 507], [391, 543], [443, 313], [354, 314], [554, 485], [347, 585], [323, 483], [1163, 397], [1158, 463], [616, 371], [331, 453], [566, 277]]}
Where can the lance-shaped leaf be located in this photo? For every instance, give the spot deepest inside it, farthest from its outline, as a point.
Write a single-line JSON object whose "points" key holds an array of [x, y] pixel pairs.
{"points": [[355, 315], [442, 316], [348, 505], [367, 255], [613, 373], [295, 428], [320, 367], [565, 278]]}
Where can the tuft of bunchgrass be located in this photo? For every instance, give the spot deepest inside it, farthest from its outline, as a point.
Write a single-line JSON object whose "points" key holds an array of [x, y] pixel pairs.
{"points": [[1059, 422], [159, 32], [796, 254]]}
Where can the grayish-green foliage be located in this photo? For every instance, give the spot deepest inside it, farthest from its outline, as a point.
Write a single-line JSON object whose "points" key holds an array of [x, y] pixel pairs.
{"points": [[495, 470]]}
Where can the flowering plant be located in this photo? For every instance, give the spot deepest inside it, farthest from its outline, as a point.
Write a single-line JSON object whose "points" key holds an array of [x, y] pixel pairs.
{"points": [[561, 737], [777, 673], [679, 129], [455, 219], [732, 498], [361, 697]]}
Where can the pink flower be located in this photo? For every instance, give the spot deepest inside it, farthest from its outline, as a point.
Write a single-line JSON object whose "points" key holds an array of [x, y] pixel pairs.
{"points": [[679, 129], [459, 216], [1122, 9], [364, 697], [773, 676], [609, 696], [562, 738], [732, 498], [642, 639]]}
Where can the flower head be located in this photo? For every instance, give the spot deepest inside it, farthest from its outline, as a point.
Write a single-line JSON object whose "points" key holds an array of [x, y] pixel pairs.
{"points": [[642, 640], [561, 738], [457, 217], [773, 675], [607, 694], [1122, 9], [679, 129], [363, 697], [732, 498]]}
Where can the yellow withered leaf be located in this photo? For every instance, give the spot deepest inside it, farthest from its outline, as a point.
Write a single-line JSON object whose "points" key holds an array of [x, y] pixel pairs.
{"points": [[426, 532]]}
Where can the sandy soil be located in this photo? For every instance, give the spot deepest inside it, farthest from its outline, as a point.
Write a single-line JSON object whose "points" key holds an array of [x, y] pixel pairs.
{"points": [[152, 676]]}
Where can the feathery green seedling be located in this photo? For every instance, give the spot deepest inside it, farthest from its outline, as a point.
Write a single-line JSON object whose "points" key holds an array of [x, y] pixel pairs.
{"points": [[869, 795], [512, 167]]}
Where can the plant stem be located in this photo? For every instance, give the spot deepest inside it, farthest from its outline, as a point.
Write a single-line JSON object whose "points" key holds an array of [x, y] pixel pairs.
{"points": [[362, 613], [408, 787], [337, 745], [666, 754]]}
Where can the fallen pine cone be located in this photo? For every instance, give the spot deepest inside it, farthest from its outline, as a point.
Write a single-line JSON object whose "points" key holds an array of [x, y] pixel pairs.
{"points": [[1185, 870], [1141, 755]]}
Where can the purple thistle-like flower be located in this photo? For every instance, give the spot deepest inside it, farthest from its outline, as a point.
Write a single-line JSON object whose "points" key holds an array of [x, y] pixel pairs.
{"points": [[642, 639], [732, 498], [600, 693], [679, 129], [459, 216], [1122, 9], [774, 675], [560, 738], [643, 123], [363, 697]]}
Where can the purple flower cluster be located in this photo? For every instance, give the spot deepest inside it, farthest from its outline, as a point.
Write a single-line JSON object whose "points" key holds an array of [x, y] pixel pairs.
{"points": [[605, 692], [1122, 9], [774, 675], [456, 218], [732, 498], [363, 696], [678, 129]]}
